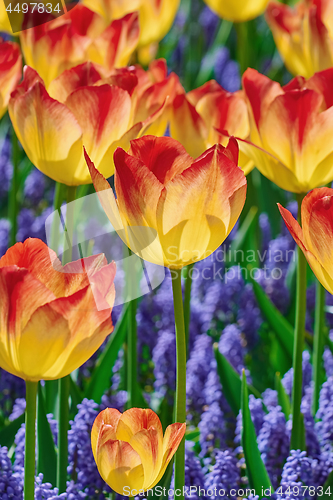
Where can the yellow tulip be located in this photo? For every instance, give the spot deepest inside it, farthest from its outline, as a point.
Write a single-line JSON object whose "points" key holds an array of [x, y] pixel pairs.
{"points": [[50, 324], [81, 109], [130, 450], [10, 72], [237, 10], [78, 37], [5, 25], [303, 35], [199, 117], [315, 237], [173, 210], [156, 16], [291, 129]]}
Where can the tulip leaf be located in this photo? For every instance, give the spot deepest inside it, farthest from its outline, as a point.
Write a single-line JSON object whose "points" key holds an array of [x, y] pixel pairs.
{"points": [[46, 452], [9, 431], [282, 328], [75, 394], [100, 380], [165, 482], [242, 237], [283, 398], [328, 487], [192, 435], [256, 470], [231, 382]]}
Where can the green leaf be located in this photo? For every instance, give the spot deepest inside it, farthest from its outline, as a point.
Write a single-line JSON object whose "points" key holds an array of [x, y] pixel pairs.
{"points": [[163, 483], [282, 328], [328, 487], [46, 452], [75, 394], [8, 432], [100, 380], [283, 397], [192, 435], [244, 234], [231, 382], [256, 470]]}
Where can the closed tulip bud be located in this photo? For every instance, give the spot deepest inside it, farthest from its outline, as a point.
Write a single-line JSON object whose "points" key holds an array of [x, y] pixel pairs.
{"points": [[291, 129], [174, 210], [80, 35], [156, 16], [198, 118], [237, 11], [303, 35], [53, 318], [10, 72], [130, 450], [315, 237], [79, 109]]}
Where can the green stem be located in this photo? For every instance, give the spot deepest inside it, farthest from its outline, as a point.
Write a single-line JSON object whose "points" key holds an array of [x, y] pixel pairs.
{"points": [[297, 440], [30, 440], [63, 423], [180, 413], [132, 373], [64, 383], [187, 303], [13, 202], [242, 45], [51, 386], [318, 345]]}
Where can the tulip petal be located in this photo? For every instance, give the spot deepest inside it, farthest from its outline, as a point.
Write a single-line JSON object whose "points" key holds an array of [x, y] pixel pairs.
{"points": [[317, 221], [299, 236], [56, 125], [187, 126], [191, 231], [104, 116], [104, 428], [84, 75], [136, 419], [10, 71], [174, 433], [120, 466]]}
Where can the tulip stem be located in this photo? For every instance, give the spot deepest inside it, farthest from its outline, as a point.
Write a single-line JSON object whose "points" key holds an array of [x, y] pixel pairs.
{"points": [[51, 386], [187, 304], [14, 189], [132, 355], [297, 438], [64, 383], [30, 440], [318, 345], [180, 413]]}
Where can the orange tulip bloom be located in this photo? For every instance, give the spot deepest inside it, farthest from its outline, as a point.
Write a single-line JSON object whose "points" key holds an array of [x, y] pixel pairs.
{"points": [[50, 324], [197, 117], [80, 35], [174, 210], [130, 450], [303, 34], [315, 236], [79, 109], [10, 72], [292, 129]]}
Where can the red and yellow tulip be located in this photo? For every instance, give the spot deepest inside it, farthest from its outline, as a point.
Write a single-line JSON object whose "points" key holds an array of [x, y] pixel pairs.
{"points": [[79, 36], [303, 34], [156, 16], [50, 323], [292, 129], [174, 210], [81, 109], [197, 117], [315, 237], [130, 450], [10, 72], [236, 10]]}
